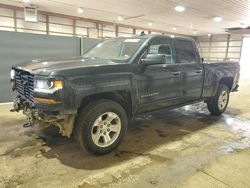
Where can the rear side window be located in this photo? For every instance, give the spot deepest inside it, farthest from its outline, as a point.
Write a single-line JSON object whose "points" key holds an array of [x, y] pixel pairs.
{"points": [[185, 51]]}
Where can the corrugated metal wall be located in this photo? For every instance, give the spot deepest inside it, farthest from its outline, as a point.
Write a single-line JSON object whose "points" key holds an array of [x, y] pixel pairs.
{"points": [[19, 47], [88, 43], [220, 47]]}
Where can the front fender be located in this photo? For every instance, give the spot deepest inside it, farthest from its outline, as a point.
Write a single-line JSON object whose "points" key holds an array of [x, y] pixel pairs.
{"points": [[81, 87]]}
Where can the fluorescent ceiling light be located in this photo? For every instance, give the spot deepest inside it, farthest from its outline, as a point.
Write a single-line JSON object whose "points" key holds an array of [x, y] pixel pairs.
{"points": [[209, 34], [195, 32], [174, 28], [217, 19], [120, 18], [150, 24], [180, 8], [80, 10], [26, 1], [172, 36]]}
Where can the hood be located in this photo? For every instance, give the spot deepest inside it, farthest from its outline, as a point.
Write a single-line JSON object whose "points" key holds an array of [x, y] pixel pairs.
{"points": [[52, 66]]}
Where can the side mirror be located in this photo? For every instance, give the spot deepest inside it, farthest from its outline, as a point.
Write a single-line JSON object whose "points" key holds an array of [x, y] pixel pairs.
{"points": [[202, 60], [152, 59]]}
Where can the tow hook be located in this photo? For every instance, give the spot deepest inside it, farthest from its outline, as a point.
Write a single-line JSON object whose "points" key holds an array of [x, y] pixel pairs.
{"points": [[17, 105], [14, 110], [28, 124]]}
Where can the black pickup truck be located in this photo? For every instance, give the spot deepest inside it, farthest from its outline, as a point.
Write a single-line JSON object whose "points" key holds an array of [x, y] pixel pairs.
{"points": [[94, 96]]}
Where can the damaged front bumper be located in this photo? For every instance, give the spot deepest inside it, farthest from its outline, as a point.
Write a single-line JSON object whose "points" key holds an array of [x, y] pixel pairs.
{"points": [[42, 118], [236, 88]]}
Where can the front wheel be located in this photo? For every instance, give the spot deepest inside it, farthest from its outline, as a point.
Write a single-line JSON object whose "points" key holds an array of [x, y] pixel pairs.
{"points": [[218, 104], [100, 126]]}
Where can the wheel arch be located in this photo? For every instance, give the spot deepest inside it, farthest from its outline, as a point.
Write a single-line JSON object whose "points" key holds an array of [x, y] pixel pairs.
{"points": [[123, 97], [228, 81]]}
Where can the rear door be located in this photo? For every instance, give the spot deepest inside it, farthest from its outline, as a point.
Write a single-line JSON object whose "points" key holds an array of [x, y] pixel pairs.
{"points": [[192, 69]]}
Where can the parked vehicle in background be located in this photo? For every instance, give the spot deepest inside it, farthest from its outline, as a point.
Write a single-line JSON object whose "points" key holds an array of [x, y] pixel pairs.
{"points": [[94, 96]]}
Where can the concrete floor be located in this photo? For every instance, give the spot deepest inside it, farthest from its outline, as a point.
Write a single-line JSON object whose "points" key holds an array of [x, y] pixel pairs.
{"points": [[179, 148]]}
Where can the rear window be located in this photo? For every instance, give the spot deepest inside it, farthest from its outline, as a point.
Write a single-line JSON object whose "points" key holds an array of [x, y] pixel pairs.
{"points": [[185, 51]]}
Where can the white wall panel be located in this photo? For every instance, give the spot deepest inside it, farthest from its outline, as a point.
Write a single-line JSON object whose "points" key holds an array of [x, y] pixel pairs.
{"points": [[124, 35], [9, 22], [234, 49], [138, 31], [205, 55], [6, 29], [85, 24], [235, 43], [41, 18], [220, 47], [217, 55], [219, 50], [216, 44], [236, 37], [204, 38], [61, 28], [155, 33], [31, 25], [81, 31], [61, 34], [19, 14], [233, 55], [108, 28], [58, 20], [31, 31], [219, 37], [125, 30], [204, 50], [204, 44], [6, 12], [108, 33]]}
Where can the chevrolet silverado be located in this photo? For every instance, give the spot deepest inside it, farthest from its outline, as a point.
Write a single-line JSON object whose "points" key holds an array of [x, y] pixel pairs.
{"points": [[93, 97]]}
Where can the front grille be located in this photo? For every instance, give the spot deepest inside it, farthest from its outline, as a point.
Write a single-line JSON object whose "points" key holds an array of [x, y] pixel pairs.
{"points": [[24, 85]]}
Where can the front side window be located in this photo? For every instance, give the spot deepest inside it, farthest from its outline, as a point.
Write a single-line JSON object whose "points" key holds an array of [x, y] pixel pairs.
{"points": [[185, 51], [162, 49], [117, 49]]}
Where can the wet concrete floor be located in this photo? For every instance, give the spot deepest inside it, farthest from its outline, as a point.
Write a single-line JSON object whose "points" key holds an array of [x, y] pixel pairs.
{"points": [[185, 147]]}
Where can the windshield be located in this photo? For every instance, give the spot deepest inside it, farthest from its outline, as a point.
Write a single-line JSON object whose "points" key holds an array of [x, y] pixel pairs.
{"points": [[117, 49]]}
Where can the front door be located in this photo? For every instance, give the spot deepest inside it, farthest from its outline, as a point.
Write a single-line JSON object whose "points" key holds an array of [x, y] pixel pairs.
{"points": [[160, 85]]}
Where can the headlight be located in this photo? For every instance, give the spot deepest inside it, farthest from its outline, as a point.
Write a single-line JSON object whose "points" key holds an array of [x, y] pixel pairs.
{"points": [[12, 74], [47, 86], [43, 84]]}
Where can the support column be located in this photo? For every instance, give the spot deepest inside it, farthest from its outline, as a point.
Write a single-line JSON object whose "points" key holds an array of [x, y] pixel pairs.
{"points": [[15, 21], [47, 24], [228, 40]]}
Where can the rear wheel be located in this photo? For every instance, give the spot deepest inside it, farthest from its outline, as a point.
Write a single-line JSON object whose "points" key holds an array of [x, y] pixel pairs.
{"points": [[218, 104], [100, 126]]}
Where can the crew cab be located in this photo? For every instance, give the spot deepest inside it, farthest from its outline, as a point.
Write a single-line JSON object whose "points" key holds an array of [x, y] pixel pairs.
{"points": [[93, 97]]}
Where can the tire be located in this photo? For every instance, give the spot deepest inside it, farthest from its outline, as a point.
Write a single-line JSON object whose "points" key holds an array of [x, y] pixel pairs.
{"points": [[100, 126], [218, 104]]}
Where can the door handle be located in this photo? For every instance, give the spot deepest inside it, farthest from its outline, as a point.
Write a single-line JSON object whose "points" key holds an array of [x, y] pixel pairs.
{"points": [[176, 73], [198, 71]]}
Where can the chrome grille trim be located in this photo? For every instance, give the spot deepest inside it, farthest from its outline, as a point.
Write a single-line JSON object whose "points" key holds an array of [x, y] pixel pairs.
{"points": [[24, 83]]}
